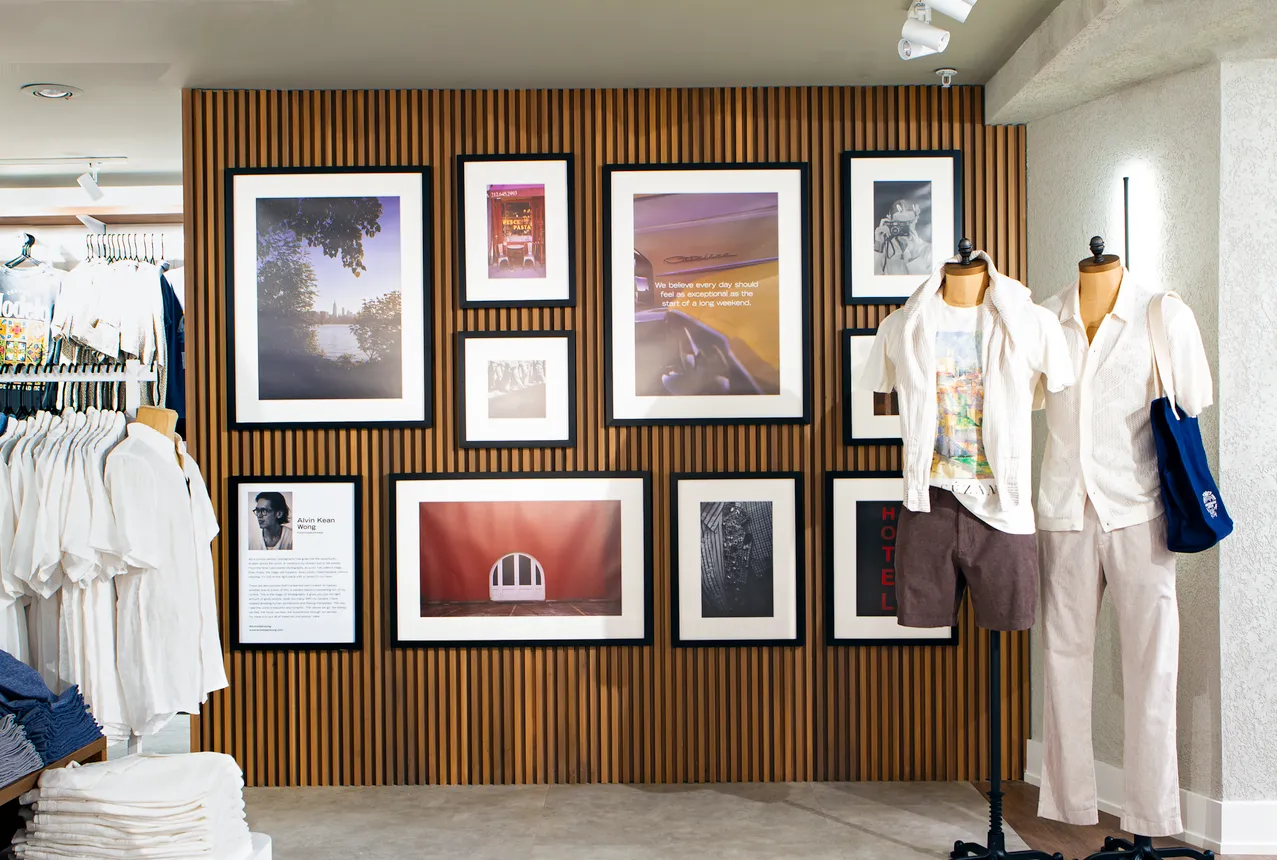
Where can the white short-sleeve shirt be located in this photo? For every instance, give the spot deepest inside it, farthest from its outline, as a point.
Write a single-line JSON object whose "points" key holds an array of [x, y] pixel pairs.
{"points": [[1099, 437]]}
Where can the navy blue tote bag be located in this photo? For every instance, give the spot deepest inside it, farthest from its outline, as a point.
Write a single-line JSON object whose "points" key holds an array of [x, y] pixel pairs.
{"points": [[1196, 519]]}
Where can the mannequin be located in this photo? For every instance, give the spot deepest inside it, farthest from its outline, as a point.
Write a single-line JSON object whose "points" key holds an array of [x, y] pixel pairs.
{"points": [[1101, 529], [1099, 279], [163, 420], [966, 280], [968, 527]]}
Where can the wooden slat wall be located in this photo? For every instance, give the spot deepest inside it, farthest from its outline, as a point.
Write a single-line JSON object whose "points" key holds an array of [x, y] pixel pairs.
{"points": [[599, 714]]}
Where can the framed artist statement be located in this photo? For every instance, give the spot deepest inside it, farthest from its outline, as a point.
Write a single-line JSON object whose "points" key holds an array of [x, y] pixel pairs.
{"points": [[515, 231], [295, 582], [868, 417], [549, 558], [860, 563], [707, 301], [328, 297], [737, 554], [516, 389], [902, 218]]}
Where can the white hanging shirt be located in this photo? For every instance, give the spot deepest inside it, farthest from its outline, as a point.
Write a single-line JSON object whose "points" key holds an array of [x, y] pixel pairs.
{"points": [[167, 616], [1021, 347], [1099, 438]]}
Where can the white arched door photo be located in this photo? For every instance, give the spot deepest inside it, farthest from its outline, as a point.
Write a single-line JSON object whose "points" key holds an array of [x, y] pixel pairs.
{"points": [[517, 576]]}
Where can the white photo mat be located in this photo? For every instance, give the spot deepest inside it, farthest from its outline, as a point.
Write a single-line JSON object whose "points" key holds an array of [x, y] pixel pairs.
{"points": [[305, 596], [246, 190], [862, 173], [865, 426], [784, 624], [556, 286], [848, 624], [410, 627], [555, 351], [626, 404]]}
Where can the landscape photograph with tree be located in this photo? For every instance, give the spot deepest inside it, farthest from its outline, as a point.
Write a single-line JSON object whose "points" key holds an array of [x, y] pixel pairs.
{"points": [[329, 298]]}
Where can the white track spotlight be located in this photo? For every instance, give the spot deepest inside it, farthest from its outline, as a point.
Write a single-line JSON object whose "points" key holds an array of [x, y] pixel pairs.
{"points": [[917, 37], [920, 34], [89, 182], [958, 10]]}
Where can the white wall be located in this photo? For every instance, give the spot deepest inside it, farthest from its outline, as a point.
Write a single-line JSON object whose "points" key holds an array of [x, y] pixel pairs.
{"points": [[1248, 416], [1165, 136]]}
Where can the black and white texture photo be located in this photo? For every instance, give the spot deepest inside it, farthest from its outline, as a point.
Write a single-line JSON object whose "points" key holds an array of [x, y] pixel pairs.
{"points": [[737, 553], [516, 389], [902, 214], [328, 297], [736, 560]]}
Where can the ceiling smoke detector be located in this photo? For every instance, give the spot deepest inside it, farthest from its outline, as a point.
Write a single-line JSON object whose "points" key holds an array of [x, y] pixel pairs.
{"points": [[52, 92]]}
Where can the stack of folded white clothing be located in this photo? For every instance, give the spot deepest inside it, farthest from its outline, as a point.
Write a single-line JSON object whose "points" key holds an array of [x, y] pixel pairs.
{"points": [[156, 807]]}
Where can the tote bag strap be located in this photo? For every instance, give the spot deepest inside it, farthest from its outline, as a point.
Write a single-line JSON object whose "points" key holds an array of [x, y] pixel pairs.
{"points": [[1162, 347]]}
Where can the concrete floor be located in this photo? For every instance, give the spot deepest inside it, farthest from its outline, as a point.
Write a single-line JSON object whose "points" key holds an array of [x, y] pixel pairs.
{"points": [[821, 821]]}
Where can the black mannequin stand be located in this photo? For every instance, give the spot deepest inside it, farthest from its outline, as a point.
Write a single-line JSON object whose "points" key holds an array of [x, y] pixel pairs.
{"points": [[996, 848], [1142, 849]]}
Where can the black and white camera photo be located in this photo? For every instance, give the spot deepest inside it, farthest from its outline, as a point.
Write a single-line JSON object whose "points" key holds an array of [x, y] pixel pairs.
{"points": [[902, 233]]}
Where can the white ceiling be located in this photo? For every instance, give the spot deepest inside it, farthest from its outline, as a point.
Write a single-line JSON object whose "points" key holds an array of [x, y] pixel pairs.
{"points": [[132, 57]]}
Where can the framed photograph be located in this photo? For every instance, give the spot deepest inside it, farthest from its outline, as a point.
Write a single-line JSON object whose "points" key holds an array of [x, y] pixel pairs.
{"points": [[328, 297], [539, 558], [295, 578], [737, 553], [868, 418], [860, 563], [516, 389], [707, 300], [514, 231], [902, 218]]}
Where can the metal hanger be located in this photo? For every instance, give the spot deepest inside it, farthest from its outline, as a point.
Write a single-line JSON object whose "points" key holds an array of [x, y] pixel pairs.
{"points": [[25, 255]]}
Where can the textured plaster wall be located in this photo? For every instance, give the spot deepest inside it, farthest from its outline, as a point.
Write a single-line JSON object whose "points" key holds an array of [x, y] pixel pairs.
{"points": [[1165, 135], [1248, 415]]}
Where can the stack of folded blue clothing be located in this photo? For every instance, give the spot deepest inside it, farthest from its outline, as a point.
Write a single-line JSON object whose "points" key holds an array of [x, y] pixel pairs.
{"points": [[17, 756], [55, 725]]}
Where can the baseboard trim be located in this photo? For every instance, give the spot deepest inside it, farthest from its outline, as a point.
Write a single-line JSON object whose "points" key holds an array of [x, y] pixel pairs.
{"points": [[1226, 827]]}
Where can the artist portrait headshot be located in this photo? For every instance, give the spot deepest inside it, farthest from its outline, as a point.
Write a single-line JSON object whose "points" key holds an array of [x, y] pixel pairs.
{"points": [[272, 512]]}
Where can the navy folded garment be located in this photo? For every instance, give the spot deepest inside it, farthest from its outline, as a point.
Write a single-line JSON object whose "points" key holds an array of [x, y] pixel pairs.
{"points": [[18, 757], [55, 726]]}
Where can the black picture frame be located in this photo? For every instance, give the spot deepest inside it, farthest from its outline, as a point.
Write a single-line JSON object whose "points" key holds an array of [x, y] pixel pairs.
{"points": [[800, 574], [564, 334], [234, 422], [848, 387], [846, 200], [234, 483], [648, 563], [831, 594], [461, 162], [804, 171]]}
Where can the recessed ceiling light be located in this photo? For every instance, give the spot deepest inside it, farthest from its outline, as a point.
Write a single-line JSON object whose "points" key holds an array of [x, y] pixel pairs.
{"points": [[53, 92]]}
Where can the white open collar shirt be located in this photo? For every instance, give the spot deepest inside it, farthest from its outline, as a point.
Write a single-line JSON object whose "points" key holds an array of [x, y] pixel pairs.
{"points": [[1022, 350], [1099, 440]]}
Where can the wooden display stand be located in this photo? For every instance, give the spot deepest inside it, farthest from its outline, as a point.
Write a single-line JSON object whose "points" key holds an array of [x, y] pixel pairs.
{"points": [[10, 793]]}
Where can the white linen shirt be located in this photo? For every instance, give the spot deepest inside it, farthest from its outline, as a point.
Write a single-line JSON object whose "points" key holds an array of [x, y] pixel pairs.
{"points": [[1099, 438], [1022, 345]]}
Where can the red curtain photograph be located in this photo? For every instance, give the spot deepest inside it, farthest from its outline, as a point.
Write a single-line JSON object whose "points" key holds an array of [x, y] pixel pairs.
{"points": [[520, 558]]}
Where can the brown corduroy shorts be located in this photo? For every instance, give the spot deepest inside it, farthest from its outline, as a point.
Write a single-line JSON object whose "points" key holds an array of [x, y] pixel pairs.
{"points": [[942, 554]]}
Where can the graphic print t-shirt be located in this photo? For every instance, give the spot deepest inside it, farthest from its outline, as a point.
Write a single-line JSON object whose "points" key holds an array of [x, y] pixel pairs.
{"points": [[958, 463]]}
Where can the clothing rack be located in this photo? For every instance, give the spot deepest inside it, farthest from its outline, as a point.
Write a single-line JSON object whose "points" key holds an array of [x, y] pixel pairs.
{"points": [[132, 374], [142, 247]]}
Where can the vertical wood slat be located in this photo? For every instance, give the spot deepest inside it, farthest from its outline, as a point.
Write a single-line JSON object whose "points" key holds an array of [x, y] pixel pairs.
{"points": [[591, 714]]}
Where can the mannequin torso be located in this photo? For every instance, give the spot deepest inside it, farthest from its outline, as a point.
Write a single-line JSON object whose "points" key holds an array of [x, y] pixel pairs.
{"points": [[965, 286], [1097, 287]]}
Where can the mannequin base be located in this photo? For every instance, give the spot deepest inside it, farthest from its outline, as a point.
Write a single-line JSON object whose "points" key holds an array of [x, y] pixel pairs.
{"points": [[997, 850], [1142, 849]]}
